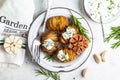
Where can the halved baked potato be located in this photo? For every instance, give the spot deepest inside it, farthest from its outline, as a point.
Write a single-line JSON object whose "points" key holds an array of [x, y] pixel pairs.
{"points": [[49, 42], [57, 23], [65, 55], [78, 43], [66, 35]]}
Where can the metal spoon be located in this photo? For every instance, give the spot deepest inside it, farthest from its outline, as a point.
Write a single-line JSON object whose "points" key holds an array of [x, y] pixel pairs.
{"points": [[103, 33]]}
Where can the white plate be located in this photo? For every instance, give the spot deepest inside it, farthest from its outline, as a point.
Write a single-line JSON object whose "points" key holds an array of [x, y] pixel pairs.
{"points": [[57, 66], [104, 10]]}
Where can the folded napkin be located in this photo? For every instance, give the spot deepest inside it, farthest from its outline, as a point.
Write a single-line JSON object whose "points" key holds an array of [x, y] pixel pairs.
{"points": [[15, 18], [40, 6]]}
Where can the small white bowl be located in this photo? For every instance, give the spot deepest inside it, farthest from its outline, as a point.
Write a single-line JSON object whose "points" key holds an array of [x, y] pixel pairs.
{"points": [[95, 8]]}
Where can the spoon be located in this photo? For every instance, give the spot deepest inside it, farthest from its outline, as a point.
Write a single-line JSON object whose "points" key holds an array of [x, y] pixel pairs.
{"points": [[103, 33]]}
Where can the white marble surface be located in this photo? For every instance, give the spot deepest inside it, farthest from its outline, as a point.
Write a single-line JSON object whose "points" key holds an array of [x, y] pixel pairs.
{"points": [[109, 70]]}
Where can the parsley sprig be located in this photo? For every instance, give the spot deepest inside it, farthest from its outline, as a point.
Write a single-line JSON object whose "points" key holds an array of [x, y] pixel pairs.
{"points": [[48, 74], [82, 30], [115, 34]]}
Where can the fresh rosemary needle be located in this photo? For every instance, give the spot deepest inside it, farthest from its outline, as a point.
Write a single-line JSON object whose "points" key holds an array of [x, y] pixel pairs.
{"points": [[49, 57], [115, 34], [48, 74], [82, 30]]}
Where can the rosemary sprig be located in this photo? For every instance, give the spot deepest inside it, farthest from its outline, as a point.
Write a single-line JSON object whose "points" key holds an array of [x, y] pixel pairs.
{"points": [[83, 31], [48, 74], [49, 57], [115, 34]]}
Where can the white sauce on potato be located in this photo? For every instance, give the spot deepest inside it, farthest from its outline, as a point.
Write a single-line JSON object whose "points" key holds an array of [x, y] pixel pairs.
{"points": [[69, 33], [62, 56], [48, 44]]}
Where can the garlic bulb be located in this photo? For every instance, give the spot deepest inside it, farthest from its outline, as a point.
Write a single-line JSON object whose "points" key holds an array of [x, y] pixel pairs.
{"points": [[12, 44]]}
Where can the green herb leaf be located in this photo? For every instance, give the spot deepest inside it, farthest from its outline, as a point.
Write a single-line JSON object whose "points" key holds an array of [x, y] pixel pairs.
{"points": [[115, 34], [49, 57], [48, 74], [115, 45], [83, 31]]}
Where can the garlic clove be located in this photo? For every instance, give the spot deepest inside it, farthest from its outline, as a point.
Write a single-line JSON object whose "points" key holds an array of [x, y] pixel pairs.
{"points": [[85, 72], [18, 45], [97, 58], [7, 40], [19, 42], [11, 38], [8, 50], [104, 55], [12, 48], [6, 45], [16, 50], [16, 39]]}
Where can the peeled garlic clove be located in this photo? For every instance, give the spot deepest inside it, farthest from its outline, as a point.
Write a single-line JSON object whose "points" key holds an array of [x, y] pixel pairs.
{"points": [[12, 48], [85, 72], [6, 45], [16, 50], [18, 46], [19, 42], [103, 55], [7, 40], [11, 38], [8, 50], [97, 58], [16, 39]]}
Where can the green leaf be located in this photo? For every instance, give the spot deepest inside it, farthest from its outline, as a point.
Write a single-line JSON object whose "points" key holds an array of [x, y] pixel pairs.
{"points": [[49, 57], [109, 37], [115, 45], [115, 28], [117, 37], [115, 34], [48, 74], [82, 30]]}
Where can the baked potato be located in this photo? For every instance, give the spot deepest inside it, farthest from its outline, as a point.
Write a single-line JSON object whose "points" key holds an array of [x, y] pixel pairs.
{"points": [[66, 35], [78, 43], [65, 55], [57, 23], [49, 42]]}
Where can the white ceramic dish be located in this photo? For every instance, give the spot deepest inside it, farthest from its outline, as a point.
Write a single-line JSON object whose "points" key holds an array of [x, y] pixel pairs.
{"points": [[57, 66], [103, 8]]}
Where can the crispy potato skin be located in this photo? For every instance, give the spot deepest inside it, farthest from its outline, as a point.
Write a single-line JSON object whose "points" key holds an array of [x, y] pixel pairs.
{"points": [[78, 43], [65, 41], [72, 55], [50, 35], [57, 23]]}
